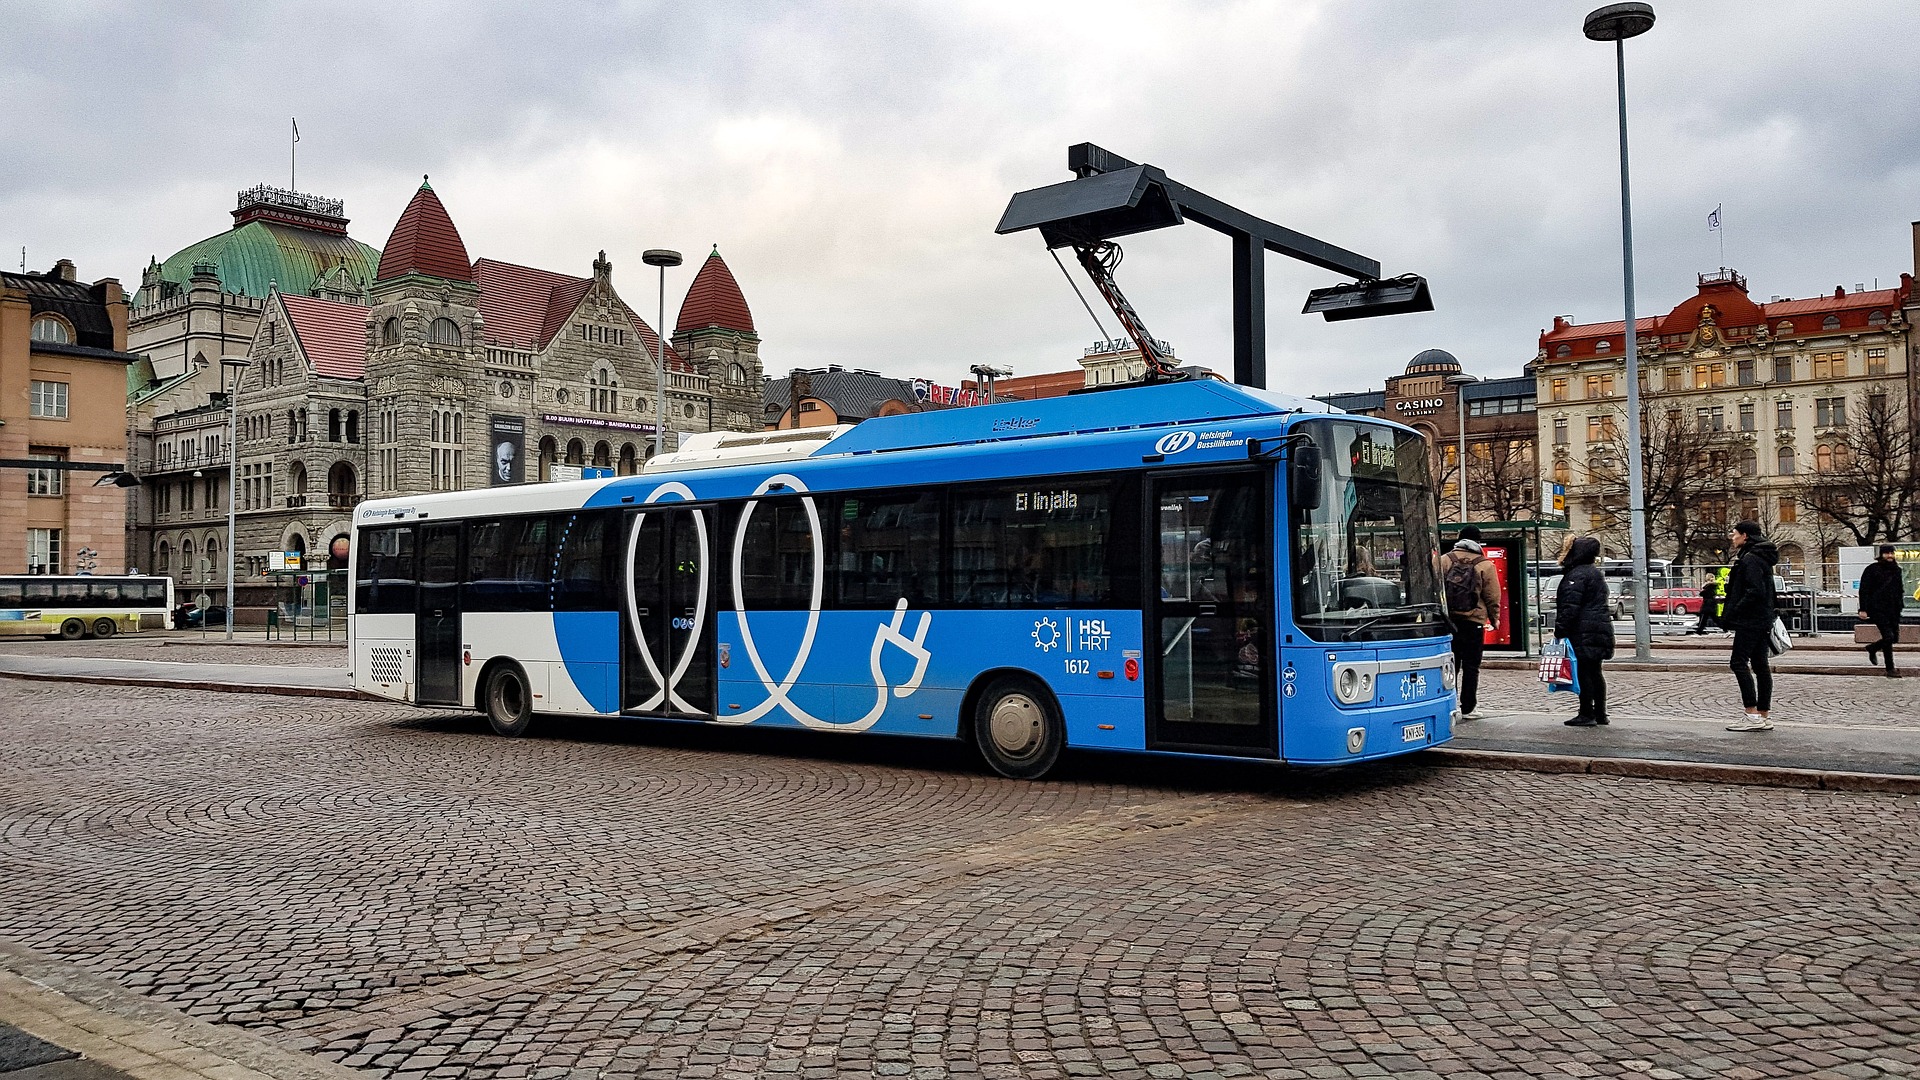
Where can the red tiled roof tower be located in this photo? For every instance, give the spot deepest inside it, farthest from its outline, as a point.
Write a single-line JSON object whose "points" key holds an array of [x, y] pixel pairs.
{"points": [[714, 299], [424, 241]]}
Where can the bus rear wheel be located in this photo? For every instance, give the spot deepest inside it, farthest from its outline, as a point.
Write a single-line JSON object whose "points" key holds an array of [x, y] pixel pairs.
{"points": [[509, 703], [104, 628], [73, 630], [1017, 729]]}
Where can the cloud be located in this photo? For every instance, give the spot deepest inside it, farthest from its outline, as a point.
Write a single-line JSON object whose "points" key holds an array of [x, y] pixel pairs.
{"points": [[850, 160]]}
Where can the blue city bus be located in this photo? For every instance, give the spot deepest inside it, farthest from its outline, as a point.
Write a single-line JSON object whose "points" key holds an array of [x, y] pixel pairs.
{"points": [[1193, 568]]}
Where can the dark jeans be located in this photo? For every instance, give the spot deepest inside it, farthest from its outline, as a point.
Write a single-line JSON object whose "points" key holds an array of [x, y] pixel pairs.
{"points": [[1469, 642], [1889, 634], [1593, 687], [1749, 664]]}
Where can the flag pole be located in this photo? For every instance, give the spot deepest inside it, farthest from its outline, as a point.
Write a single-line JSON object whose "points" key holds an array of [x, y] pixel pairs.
{"points": [[293, 157]]}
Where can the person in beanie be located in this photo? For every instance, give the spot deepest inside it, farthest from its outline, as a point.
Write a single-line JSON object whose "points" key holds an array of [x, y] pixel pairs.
{"points": [[1473, 605], [1882, 594], [1749, 613], [1584, 616]]}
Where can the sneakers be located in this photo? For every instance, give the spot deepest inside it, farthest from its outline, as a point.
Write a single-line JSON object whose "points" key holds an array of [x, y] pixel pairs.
{"points": [[1751, 723], [1582, 721], [1471, 715]]}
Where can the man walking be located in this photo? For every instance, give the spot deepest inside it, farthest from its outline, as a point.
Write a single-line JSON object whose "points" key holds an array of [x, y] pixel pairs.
{"points": [[1473, 605], [1882, 594]]}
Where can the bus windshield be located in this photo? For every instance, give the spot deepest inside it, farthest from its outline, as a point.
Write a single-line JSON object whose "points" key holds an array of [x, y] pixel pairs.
{"points": [[1364, 559]]}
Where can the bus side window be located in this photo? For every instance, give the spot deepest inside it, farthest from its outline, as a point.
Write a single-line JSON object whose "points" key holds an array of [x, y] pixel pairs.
{"points": [[386, 583], [580, 563], [776, 555], [889, 548], [12, 594]]}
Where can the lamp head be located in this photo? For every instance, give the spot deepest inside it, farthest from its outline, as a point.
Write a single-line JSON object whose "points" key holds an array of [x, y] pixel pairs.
{"points": [[1618, 22], [660, 257], [235, 362]]}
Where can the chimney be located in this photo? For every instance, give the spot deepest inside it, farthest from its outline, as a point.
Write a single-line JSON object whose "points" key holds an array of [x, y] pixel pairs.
{"points": [[1916, 247], [64, 270]]}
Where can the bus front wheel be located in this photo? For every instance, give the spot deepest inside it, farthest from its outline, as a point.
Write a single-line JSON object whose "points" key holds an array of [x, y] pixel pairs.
{"points": [[104, 628], [509, 702], [73, 630], [1017, 729]]}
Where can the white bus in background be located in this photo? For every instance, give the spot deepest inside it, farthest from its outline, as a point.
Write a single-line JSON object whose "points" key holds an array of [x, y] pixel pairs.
{"points": [[83, 606], [1854, 560]]}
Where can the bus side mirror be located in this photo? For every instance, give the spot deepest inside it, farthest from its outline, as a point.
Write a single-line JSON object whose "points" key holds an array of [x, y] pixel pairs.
{"points": [[1305, 481]]}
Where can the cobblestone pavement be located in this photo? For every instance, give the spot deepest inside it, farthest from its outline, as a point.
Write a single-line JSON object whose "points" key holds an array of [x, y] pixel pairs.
{"points": [[180, 648], [405, 894], [1808, 699]]}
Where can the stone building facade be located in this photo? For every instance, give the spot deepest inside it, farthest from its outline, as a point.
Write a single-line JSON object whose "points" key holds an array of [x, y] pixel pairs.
{"points": [[462, 374], [1741, 400], [63, 364], [1433, 396], [204, 302]]}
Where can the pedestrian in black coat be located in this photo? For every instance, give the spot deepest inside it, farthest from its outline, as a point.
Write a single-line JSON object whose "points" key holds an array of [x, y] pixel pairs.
{"points": [[1749, 614], [1883, 593], [1583, 614]]}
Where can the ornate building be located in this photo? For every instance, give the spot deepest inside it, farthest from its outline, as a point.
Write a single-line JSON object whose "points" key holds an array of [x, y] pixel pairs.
{"points": [[461, 374], [1432, 396], [201, 303], [1741, 401]]}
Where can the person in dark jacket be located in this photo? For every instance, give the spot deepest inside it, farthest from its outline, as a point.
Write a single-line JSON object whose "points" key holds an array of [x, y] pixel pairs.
{"points": [[1583, 614], [1882, 594], [1749, 613]]}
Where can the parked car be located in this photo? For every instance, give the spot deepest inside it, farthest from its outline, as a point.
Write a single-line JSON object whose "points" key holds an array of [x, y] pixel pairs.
{"points": [[195, 618], [1674, 602]]}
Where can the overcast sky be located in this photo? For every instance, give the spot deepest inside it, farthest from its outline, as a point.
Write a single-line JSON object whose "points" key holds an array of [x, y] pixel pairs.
{"points": [[850, 159]]}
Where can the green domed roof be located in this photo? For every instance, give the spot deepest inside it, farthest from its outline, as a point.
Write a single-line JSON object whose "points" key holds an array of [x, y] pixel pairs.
{"points": [[253, 256]]}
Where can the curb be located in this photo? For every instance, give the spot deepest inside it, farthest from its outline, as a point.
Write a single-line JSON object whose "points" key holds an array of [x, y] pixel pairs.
{"points": [[143, 1039], [1689, 771], [339, 693], [1691, 665]]}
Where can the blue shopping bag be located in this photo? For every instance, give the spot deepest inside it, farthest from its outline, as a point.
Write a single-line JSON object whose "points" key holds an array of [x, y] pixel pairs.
{"points": [[1557, 668]]}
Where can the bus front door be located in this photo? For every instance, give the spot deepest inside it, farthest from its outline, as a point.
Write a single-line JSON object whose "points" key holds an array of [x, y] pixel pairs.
{"points": [[1210, 615], [666, 667], [437, 623]]}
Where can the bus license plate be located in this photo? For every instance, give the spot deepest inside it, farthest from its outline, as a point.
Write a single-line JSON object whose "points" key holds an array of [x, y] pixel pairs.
{"points": [[1413, 733]]}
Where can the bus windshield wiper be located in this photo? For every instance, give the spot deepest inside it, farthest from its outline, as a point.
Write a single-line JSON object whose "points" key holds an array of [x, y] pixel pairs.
{"points": [[1385, 615]]}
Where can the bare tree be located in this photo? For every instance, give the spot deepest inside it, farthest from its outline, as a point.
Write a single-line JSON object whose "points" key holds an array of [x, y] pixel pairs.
{"points": [[1687, 472], [1870, 486], [1503, 483]]}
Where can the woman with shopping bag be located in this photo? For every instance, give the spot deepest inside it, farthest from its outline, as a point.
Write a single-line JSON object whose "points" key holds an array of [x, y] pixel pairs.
{"points": [[1584, 617]]}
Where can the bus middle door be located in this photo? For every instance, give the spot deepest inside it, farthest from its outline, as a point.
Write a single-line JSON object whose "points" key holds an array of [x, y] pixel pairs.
{"points": [[437, 620], [666, 666]]}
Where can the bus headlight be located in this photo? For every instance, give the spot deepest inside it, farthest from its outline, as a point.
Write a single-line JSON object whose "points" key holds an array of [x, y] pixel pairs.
{"points": [[1353, 683], [1448, 674]]}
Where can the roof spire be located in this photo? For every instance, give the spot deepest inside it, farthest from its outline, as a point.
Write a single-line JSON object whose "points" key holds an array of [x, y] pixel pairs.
{"points": [[423, 182], [424, 241]]}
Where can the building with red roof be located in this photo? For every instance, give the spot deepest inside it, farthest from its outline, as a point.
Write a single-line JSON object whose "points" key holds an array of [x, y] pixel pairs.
{"points": [[1748, 405]]}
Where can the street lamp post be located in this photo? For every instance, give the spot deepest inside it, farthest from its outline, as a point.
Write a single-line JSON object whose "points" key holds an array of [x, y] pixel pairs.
{"points": [[661, 258], [238, 365], [1617, 23], [1460, 381]]}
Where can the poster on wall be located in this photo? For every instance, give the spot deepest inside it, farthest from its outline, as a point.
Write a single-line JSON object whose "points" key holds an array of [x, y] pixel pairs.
{"points": [[1502, 635], [508, 437]]}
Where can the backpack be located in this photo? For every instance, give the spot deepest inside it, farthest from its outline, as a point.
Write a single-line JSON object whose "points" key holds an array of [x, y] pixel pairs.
{"points": [[1463, 583]]}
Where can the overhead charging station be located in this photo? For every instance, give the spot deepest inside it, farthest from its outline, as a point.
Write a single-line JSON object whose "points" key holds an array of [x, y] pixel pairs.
{"points": [[1111, 197]]}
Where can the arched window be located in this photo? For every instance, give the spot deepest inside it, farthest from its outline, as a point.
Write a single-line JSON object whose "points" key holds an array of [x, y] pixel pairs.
{"points": [[1561, 473], [353, 425], [334, 430], [390, 332], [341, 484], [293, 426], [269, 333], [736, 375], [456, 428], [188, 567], [1783, 459], [602, 454], [443, 332], [51, 330], [1749, 462], [434, 424], [1603, 345], [1564, 350], [214, 567], [1831, 322], [163, 559], [297, 480], [1842, 457], [1878, 318], [603, 390], [576, 452], [549, 453], [1822, 458], [627, 459], [1783, 327]]}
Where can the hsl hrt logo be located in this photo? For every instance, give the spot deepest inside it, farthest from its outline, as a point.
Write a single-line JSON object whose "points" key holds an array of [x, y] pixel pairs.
{"points": [[1176, 442]]}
